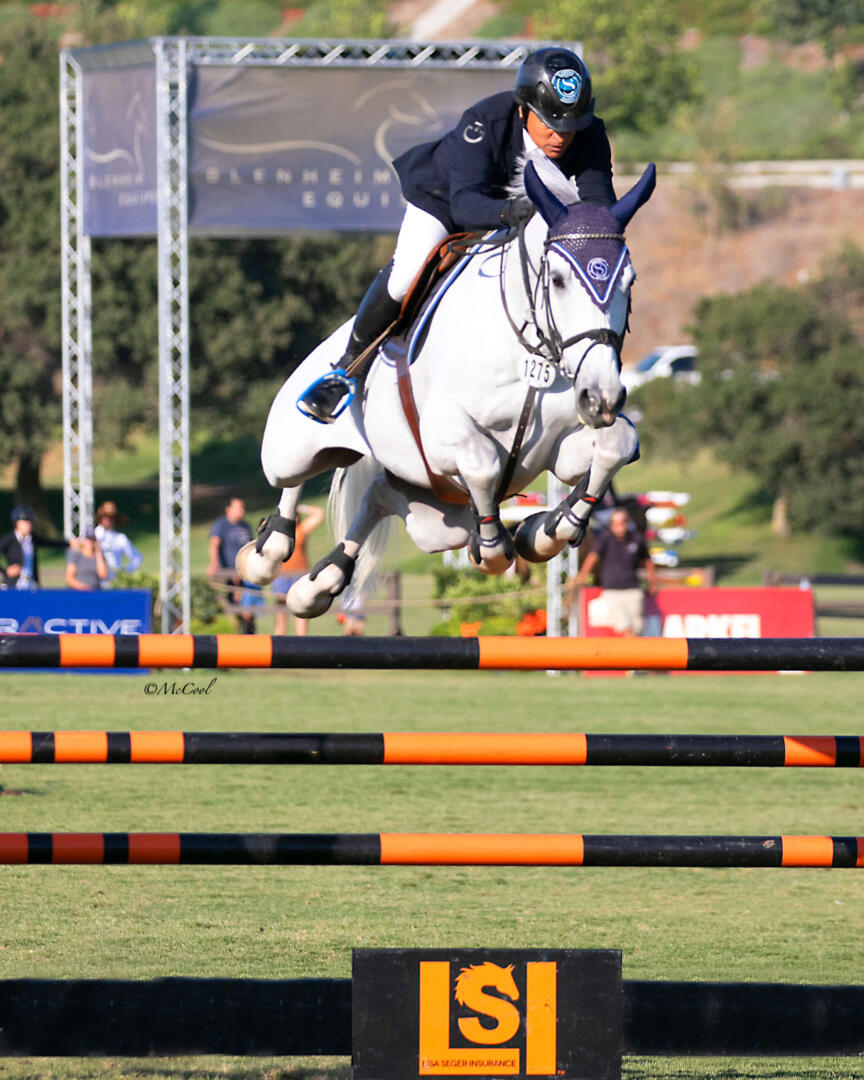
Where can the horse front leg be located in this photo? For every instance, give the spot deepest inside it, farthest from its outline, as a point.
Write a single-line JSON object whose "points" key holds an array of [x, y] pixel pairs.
{"points": [[260, 560], [588, 459], [490, 545]]}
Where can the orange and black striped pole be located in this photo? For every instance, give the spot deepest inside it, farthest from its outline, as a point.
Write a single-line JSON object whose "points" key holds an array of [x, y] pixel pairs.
{"points": [[429, 849], [427, 748], [436, 653]]}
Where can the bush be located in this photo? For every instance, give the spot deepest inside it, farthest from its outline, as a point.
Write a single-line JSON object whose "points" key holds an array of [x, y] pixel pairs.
{"points": [[466, 588], [140, 579], [205, 606]]}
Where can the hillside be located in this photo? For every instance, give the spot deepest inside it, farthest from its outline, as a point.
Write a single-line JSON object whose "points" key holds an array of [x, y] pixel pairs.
{"points": [[683, 246]]}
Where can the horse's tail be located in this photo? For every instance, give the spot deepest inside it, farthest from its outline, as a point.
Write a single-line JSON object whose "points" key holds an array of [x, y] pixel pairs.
{"points": [[346, 494]]}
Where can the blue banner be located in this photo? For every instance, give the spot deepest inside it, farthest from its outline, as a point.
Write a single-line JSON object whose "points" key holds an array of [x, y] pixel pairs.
{"points": [[272, 149], [68, 611], [119, 153]]}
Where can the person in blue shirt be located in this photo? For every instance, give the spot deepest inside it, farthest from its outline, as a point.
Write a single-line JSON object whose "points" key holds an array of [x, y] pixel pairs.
{"points": [[459, 183], [228, 535]]}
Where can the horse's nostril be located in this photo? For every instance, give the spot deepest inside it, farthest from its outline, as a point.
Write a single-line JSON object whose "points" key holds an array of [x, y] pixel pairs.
{"points": [[619, 401], [590, 401]]}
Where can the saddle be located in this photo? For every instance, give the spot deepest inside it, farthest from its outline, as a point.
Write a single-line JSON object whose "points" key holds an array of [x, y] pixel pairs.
{"points": [[439, 260], [400, 344]]}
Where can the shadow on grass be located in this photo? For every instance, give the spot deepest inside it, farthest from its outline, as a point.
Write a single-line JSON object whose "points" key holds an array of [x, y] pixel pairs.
{"points": [[720, 1069], [198, 1068], [757, 504], [226, 467]]}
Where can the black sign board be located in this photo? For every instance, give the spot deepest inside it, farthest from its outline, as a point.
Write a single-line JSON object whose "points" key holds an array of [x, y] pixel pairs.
{"points": [[464, 1013]]}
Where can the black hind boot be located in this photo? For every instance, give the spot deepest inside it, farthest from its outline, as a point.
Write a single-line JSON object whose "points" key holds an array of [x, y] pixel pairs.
{"points": [[330, 395]]}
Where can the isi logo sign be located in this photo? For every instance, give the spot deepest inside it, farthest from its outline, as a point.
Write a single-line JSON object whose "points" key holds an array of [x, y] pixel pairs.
{"points": [[487, 1012]]}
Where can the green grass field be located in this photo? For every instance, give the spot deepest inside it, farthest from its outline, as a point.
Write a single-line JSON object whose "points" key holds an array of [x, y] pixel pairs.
{"points": [[145, 922]]}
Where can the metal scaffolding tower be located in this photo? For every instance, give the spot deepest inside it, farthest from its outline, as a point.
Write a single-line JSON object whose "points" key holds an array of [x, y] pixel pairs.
{"points": [[173, 259], [77, 340]]}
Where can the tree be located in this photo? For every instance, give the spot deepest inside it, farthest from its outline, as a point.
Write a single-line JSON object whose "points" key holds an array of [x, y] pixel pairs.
{"points": [[782, 382], [630, 46], [30, 314], [345, 19], [828, 22], [824, 21]]}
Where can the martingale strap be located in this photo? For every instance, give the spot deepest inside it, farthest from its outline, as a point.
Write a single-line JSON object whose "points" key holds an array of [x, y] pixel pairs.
{"points": [[442, 486], [510, 465]]}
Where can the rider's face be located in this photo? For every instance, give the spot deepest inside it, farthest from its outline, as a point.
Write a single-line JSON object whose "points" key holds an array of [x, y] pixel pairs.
{"points": [[552, 143]]}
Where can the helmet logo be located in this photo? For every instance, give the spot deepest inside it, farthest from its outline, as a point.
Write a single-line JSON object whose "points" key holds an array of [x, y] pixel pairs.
{"points": [[598, 269], [474, 132], [567, 83]]}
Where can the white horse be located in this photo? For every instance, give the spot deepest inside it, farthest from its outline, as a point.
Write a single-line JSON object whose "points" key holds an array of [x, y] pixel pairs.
{"points": [[530, 330]]}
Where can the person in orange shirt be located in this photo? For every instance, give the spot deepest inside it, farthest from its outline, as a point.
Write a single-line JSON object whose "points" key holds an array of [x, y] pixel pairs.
{"points": [[296, 567]]}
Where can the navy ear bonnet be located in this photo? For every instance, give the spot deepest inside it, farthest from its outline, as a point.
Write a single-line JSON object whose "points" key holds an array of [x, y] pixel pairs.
{"points": [[590, 238]]}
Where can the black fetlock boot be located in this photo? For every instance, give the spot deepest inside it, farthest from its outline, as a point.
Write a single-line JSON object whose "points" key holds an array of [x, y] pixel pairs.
{"points": [[323, 401]]}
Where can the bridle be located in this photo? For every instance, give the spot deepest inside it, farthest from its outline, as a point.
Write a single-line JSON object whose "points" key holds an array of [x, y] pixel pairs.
{"points": [[551, 345]]}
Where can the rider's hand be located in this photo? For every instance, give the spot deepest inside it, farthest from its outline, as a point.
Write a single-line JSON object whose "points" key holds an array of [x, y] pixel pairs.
{"points": [[517, 210]]}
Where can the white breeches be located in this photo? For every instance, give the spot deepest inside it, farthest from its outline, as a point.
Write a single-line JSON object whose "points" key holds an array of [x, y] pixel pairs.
{"points": [[418, 234]]}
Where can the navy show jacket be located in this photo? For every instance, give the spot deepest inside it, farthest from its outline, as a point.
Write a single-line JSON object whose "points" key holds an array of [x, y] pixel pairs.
{"points": [[13, 553], [462, 177]]}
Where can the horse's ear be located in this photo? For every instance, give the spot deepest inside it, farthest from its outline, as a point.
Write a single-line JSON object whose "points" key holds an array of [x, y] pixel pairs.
{"points": [[637, 196], [552, 210]]}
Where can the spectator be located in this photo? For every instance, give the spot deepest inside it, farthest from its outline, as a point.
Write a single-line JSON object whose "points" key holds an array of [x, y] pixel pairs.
{"points": [[295, 568], [117, 549], [20, 549], [227, 536], [623, 551], [85, 566]]}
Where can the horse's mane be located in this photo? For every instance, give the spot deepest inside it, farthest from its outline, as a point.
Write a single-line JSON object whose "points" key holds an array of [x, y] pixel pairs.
{"points": [[564, 189]]}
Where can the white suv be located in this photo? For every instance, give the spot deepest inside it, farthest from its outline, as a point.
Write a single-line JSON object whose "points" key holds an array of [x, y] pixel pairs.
{"points": [[665, 362]]}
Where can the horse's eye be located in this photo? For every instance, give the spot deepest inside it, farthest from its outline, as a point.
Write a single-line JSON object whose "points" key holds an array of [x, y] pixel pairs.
{"points": [[558, 280]]}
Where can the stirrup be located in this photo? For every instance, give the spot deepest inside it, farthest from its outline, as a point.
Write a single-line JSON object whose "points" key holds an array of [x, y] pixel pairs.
{"points": [[338, 377]]}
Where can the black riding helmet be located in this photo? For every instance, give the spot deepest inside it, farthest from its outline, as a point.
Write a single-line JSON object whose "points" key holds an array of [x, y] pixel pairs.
{"points": [[556, 85]]}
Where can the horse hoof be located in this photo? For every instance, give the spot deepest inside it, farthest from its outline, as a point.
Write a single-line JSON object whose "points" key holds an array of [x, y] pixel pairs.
{"points": [[255, 568], [310, 610], [524, 537], [532, 542], [313, 594]]}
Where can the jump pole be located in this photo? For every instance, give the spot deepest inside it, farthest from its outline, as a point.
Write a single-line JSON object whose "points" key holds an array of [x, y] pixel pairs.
{"points": [[427, 748], [435, 653], [429, 849]]}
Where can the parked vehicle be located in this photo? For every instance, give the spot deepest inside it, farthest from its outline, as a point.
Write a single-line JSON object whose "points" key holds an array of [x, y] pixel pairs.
{"points": [[664, 362]]}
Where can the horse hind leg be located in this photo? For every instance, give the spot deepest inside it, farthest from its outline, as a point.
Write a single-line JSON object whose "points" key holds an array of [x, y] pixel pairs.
{"points": [[260, 561], [314, 592]]}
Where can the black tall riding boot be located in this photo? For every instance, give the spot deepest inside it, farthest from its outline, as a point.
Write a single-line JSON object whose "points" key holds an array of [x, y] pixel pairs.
{"points": [[377, 311]]}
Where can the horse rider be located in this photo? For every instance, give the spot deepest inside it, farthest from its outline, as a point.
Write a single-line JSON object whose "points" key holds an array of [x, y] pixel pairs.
{"points": [[460, 182]]}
